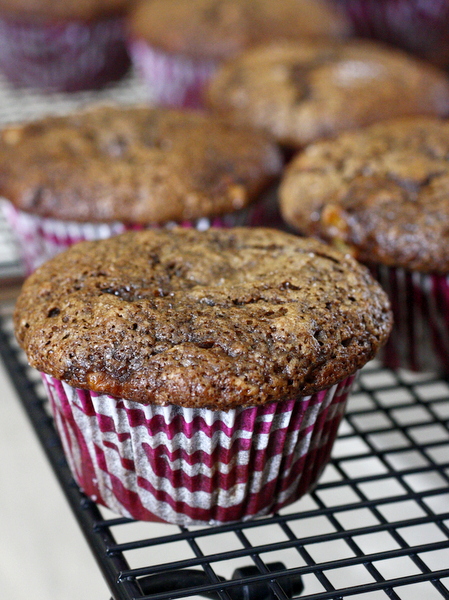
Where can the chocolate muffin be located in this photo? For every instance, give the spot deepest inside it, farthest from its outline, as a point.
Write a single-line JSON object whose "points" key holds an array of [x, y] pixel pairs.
{"points": [[64, 46], [381, 194], [179, 340], [84, 10], [94, 173], [178, 44], [301, 92]]}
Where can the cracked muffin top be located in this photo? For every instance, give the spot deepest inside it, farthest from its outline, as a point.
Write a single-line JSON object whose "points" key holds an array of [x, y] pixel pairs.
{"points": [[218, 319], [218, 29], [381, 193], [301, 92], [68, 9], [135, 165]]}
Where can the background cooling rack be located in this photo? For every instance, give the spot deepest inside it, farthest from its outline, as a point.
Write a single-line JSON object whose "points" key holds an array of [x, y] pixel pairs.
{"points": [[376, 526]]}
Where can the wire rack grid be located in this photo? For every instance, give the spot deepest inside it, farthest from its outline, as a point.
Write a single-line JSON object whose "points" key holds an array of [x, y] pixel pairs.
{"points": [[376, 526]]}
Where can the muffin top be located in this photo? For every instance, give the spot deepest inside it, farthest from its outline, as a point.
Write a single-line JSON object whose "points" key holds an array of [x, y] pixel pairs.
{"points": [[381, 192], [218, 319], [64, 9], [301, 92], [135, 164], [218, 29]]}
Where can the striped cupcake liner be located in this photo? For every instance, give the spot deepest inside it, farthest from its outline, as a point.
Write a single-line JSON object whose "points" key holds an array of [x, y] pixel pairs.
{"points": [[63, 55], [195, 466], [41, 238], [172, 80], [420, 337], [418, 26]]}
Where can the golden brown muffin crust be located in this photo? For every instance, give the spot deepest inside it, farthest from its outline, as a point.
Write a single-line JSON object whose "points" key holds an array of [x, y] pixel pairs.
{"points": [[135, 164], [216, 319], [85, 10], [301, 92], [218, 29], [382, 192]]}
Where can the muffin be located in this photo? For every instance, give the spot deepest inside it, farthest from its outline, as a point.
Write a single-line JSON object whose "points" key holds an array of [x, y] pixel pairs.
{"points": [[382, 194], [418, 26], [301, 92], [95, 173], [199, 377], [178, 44], [63, 46]]}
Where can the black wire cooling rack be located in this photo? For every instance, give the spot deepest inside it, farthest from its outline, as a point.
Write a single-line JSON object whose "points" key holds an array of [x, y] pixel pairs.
{"points": [[376, 526]]}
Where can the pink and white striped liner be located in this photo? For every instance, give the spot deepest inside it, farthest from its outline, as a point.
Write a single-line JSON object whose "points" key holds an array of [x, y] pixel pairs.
{"points": [[41, 238], [420, 337], [195, 466], [172, 79], [63, 55]]}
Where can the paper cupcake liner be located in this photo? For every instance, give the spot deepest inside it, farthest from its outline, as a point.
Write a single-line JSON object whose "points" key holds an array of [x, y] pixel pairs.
{"points": [[419, 26], [172, 80], [420, 337], [41, 238], [266, 212], [195, 466], [63, 55]]}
